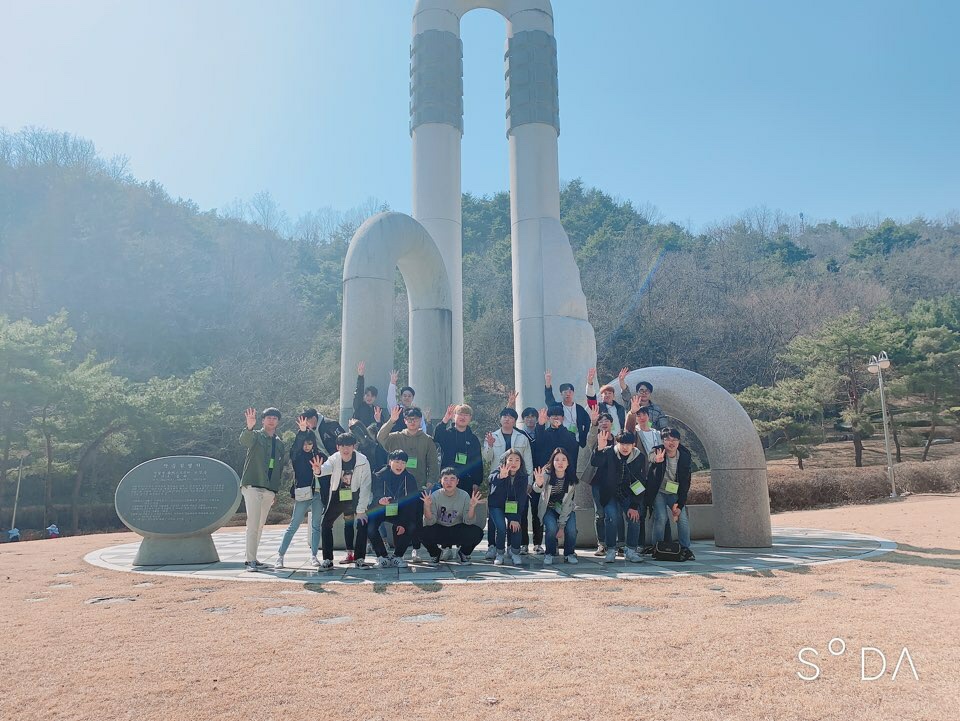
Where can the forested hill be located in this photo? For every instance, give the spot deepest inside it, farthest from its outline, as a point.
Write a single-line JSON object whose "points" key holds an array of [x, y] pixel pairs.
{"points": [[199, 314]]}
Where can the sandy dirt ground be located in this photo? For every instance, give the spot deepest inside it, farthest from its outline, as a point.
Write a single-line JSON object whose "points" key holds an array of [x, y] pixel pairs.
{"points": [[699, 647]]}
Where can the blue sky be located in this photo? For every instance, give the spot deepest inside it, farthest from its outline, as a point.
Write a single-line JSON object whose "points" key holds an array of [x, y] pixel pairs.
{"points": [[702, 109]]}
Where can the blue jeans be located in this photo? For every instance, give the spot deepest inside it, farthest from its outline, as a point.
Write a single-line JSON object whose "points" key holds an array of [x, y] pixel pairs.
{"points": [[300, 509], [633, 527], [551, 524], [499, 518], [601, 518], [661, 512]]}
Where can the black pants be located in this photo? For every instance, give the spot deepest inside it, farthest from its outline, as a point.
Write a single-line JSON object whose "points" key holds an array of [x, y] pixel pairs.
{"points": [[537, 523], [335, 509], [464, 535], [417, 527], [373, 525]]}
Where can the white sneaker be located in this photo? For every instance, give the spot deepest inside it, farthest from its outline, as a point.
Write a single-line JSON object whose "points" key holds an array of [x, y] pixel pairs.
{"points": [[572, 558], [632, 556], [515, 558], [498, 561], [547, 559], [396, 562], [491, 553], [314, 561], [610, 557], [384, 562], [278, 566]]}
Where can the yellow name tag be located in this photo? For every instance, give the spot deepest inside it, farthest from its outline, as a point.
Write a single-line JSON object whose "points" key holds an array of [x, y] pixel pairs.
{"points": [[510, 507], [346, 494], [637, 488], [460, 459], [393, 509], [412, 463], [671, 487]]}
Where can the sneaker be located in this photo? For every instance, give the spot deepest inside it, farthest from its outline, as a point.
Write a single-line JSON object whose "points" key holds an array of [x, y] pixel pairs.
{"points": [[621, 550], [436, 559], [547, 559], [539, 550], [278, 566], [396, 562], [491, 553], [250, 566], [647, 551], [498, 561], [610, 557], [384, 562], [516, 558], [572, 558], [524, 550], [464, 558], [632, 556], [360, 563], [314, 561], [687, 555], [601, 550], [261, 565], [326, 564], [349, 558]]}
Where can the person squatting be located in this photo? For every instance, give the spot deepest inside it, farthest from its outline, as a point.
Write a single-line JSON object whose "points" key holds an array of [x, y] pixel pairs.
{"points": [[404, 493]]}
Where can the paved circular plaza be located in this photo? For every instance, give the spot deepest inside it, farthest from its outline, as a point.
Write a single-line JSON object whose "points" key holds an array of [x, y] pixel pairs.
{"points": [[792, 548]]}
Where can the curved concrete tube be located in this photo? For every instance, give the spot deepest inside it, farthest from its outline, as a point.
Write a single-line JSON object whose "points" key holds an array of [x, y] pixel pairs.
{"points": [[384, 243], [738, 468]]}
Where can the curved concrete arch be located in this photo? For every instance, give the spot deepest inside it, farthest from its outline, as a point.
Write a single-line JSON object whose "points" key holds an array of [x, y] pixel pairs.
{"points": [[738, 468], [384, 243]]}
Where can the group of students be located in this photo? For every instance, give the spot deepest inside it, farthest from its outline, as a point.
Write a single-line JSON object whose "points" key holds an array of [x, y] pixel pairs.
{"points": [[389, 470]]}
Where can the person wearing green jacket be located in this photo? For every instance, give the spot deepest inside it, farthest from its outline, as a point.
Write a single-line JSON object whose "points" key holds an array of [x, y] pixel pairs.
{"points": [[260, 480]]}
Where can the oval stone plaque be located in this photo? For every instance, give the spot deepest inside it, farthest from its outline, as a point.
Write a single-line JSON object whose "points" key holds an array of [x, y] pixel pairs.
{"points": [[177, 497]]}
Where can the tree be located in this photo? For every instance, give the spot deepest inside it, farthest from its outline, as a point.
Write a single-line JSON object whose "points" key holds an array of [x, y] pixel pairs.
{"points": [[834, 360], [784, 412], [884, 239]]}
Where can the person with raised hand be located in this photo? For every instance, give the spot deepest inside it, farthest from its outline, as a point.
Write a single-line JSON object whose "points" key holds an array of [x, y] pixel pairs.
{"points": [[644, 391], [449, 519], [405, 400], [393, 500], [505, 438], [607, 403], [556, 485], [507, 503], [350, 489], [364, 398], [621, 480], [575, 416], [459, 446], [669, 483], [307, 496], [260, 480], [532, 429]]}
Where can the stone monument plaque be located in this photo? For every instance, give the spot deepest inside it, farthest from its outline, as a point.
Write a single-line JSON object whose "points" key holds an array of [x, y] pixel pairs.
{"points": [[175, 503]]}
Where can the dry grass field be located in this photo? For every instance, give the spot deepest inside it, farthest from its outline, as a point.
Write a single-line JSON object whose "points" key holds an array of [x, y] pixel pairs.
{"points": [[695, 647]]}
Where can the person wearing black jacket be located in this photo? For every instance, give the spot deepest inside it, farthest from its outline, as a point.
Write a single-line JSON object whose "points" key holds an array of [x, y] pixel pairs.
{"points": [[555, 435], [393, 500], [308, 496], [531, 429], [459, 447], [668, 485], [575, 416], [507, 503], [620, 480], [364, 398]]}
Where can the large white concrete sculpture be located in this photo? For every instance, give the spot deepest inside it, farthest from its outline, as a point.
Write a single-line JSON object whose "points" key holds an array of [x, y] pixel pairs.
{"points": [[550, 323]]}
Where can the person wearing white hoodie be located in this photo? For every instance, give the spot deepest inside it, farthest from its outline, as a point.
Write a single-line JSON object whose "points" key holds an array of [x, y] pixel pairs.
{"points": [[350, 489]]}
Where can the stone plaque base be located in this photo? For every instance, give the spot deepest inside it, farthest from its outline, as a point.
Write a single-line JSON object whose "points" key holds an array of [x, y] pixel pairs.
{"points": [[176, 551]]}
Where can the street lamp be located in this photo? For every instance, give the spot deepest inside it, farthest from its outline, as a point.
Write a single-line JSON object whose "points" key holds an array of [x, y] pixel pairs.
{"points": [[16, 498], [877, 365]]}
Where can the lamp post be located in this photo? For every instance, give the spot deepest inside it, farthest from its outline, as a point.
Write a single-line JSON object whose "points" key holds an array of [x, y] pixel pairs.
{"points": [[16, 498], [877, 365]]}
